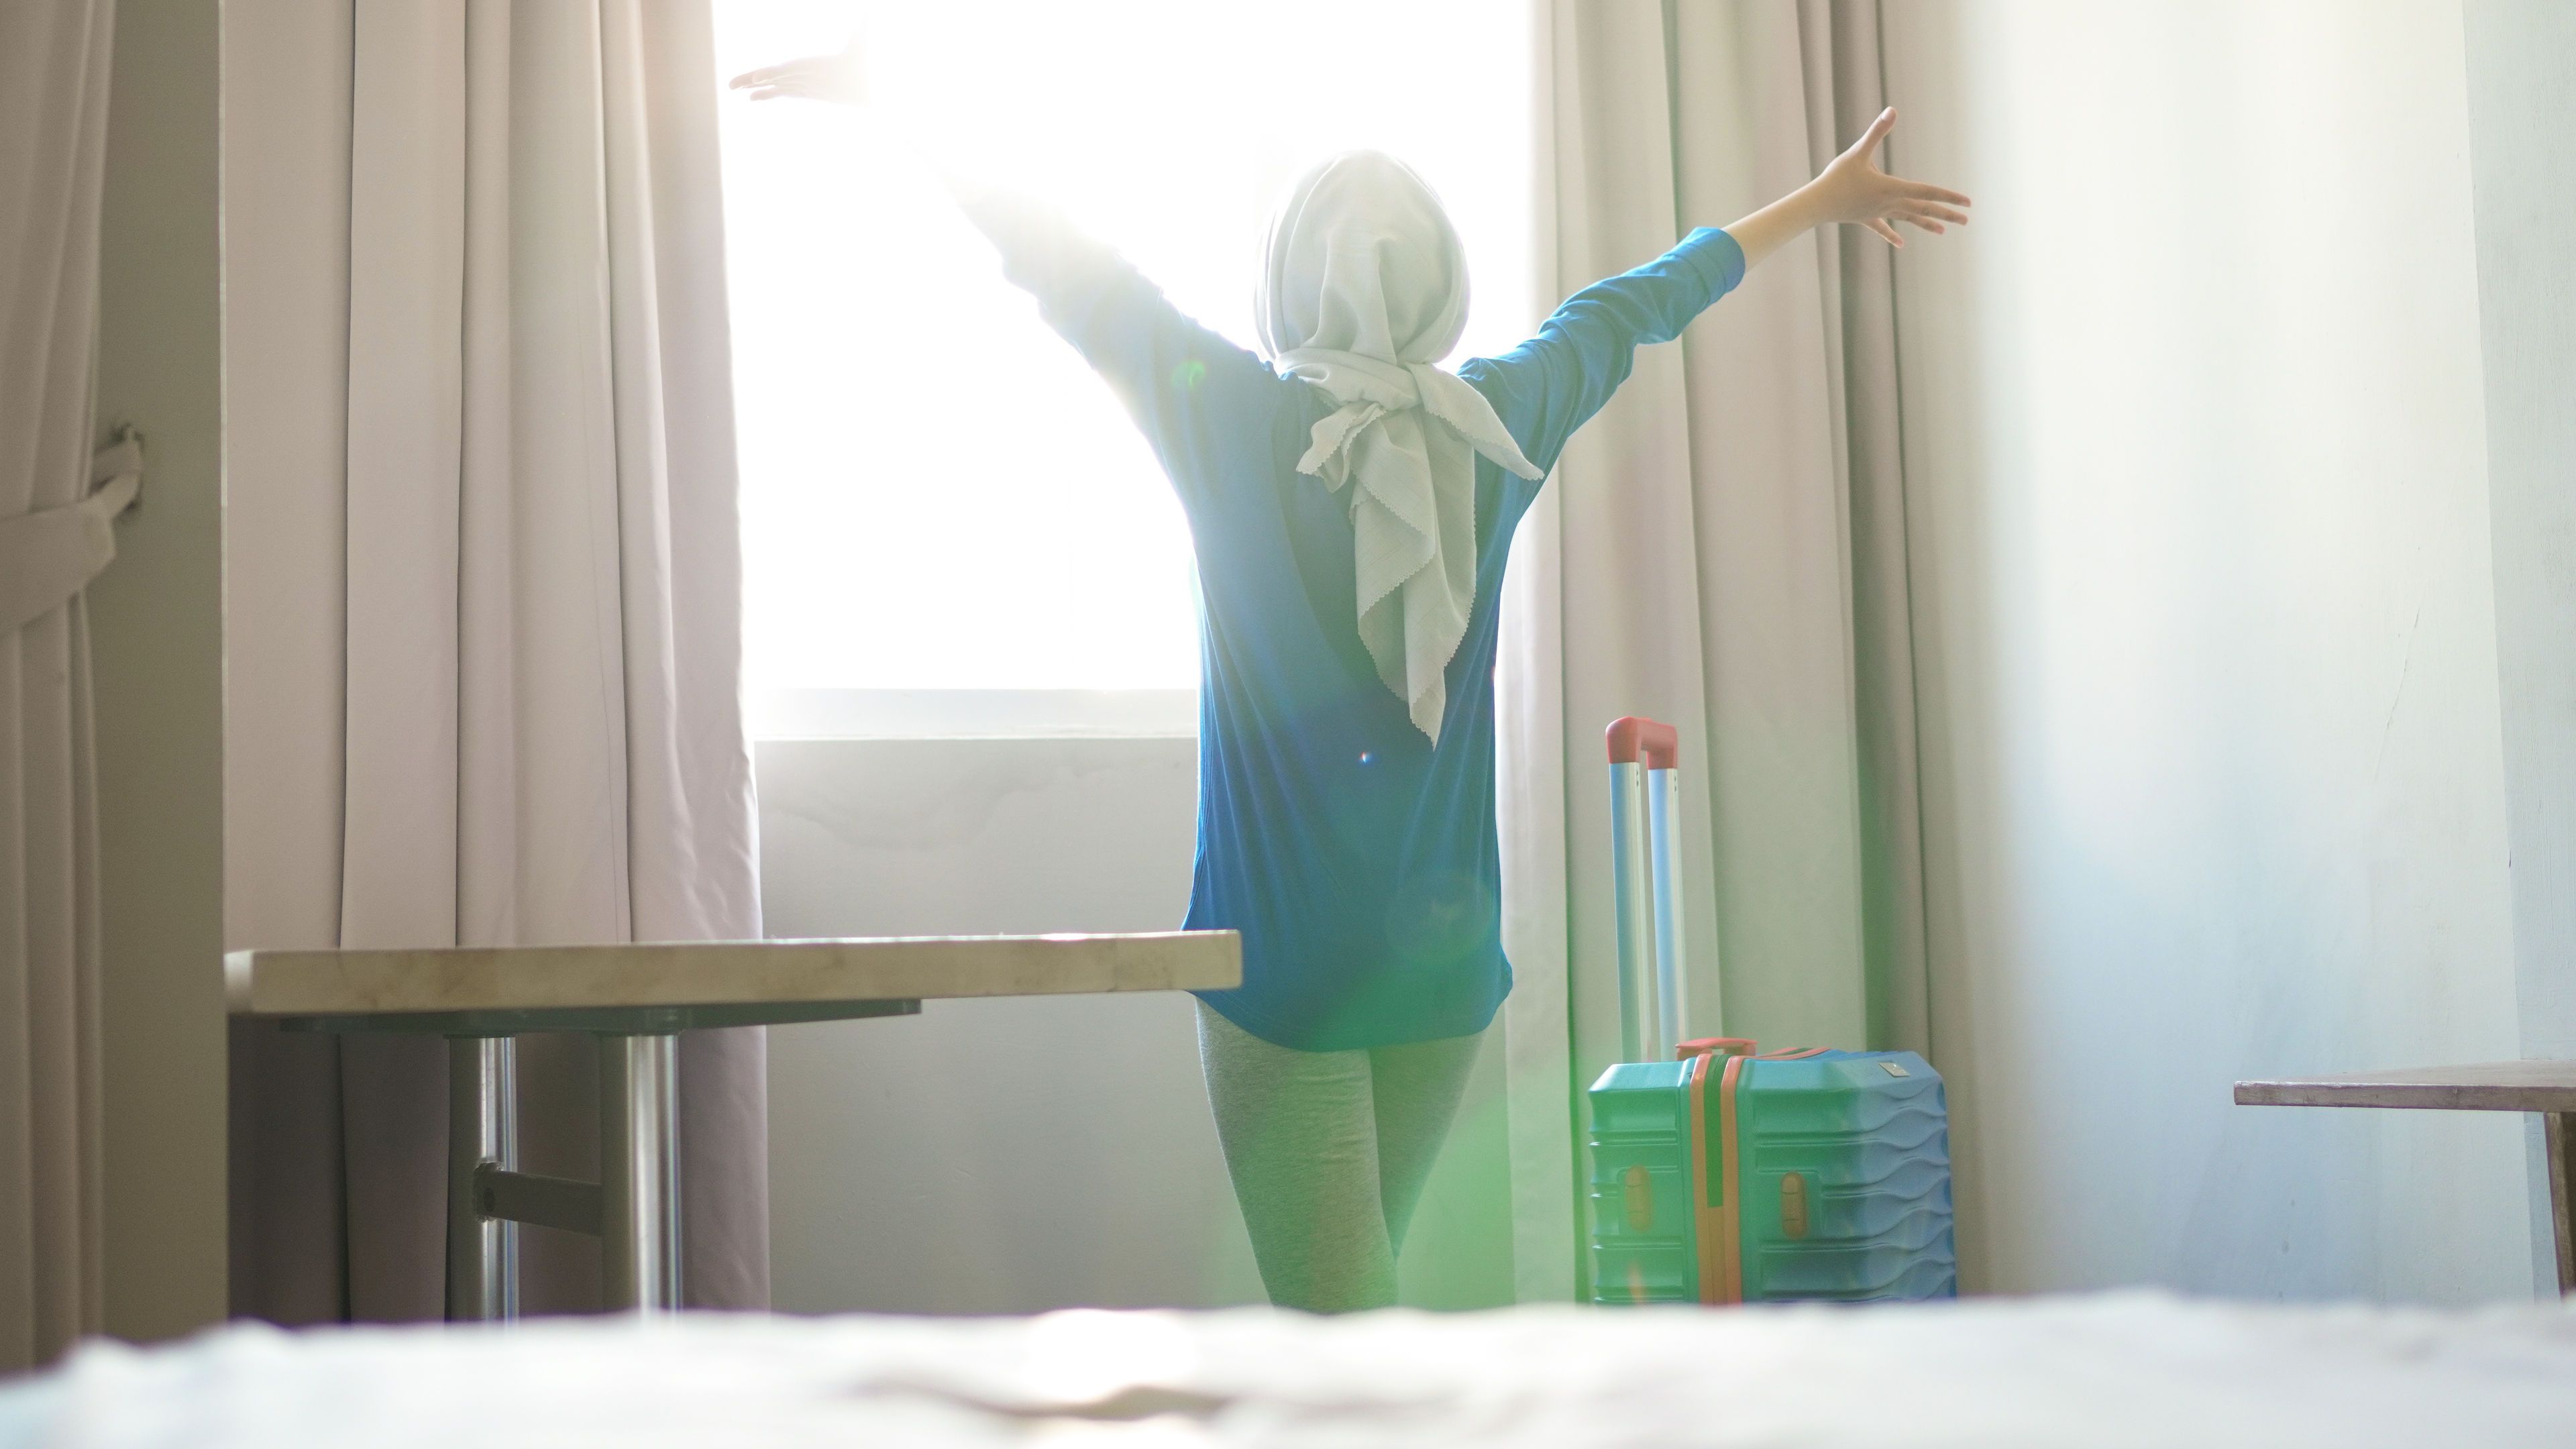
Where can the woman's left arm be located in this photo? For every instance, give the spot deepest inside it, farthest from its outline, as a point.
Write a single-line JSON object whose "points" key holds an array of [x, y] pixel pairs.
{"points": [[1852, 189], [842, 80], [1164, 366]]}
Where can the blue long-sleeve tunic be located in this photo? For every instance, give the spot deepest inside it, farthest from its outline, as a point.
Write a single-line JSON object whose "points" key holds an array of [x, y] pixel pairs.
{"points": [[1358, 861]]}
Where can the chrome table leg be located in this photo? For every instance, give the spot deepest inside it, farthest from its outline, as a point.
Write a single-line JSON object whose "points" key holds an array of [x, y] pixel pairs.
{"points": [[482, 1252], [639, 1172]]}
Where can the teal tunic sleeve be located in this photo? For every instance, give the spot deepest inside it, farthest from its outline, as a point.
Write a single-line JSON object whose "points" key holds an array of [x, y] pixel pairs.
{"points": [[1552, 384]]}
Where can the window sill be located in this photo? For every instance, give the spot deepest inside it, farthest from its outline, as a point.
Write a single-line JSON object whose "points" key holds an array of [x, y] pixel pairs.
{"points": [[972, 714]]}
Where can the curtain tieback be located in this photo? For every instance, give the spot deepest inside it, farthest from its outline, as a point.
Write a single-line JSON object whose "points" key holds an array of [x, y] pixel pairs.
{"points": [[48, 556]]}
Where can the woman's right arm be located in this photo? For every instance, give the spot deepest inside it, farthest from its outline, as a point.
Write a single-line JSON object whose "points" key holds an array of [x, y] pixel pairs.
{"points": [[1548, 386], [1552, 384]]}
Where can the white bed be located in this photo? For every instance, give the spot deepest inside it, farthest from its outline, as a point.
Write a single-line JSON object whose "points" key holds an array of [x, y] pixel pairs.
{"points": [[2117, 1369]]}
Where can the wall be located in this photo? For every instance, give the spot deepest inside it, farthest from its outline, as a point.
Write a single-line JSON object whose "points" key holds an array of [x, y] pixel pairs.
{"points": [[156, 635], [2522, 106], [2196, 460], [1016, 1155]]}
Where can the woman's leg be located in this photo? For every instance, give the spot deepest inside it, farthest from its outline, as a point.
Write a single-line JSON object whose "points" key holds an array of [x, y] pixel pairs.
{"points": [[1416, 1088], [1301, 1145]]}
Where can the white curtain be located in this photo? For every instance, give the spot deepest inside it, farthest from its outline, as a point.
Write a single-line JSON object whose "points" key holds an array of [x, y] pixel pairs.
{"points": [[1723, 548], [54, 535], [538, 717]]}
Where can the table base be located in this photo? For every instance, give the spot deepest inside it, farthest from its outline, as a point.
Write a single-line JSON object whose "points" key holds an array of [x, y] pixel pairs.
{"points": [[634, 1209]]}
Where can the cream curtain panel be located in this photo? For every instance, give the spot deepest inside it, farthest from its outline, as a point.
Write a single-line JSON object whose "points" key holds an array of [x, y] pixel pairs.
{"points": [[532, 721], [1723, 548], [54, 535]]}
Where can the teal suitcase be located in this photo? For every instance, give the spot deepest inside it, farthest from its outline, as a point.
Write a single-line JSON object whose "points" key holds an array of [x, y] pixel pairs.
{"points": [[1729, 1176]]}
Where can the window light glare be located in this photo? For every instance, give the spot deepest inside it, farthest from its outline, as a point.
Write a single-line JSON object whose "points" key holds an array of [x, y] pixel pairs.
{"points": [[937, 492]]}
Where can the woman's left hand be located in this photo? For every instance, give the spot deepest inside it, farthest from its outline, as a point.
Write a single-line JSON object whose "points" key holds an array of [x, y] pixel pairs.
{"points": [[1854, 189], [841, 79]]}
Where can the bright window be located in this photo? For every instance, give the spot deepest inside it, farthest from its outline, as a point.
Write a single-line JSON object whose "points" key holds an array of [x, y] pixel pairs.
{"points": [[939, 497]]}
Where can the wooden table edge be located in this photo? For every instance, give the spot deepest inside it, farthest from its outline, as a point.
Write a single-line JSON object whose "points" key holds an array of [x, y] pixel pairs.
{"points": [[241, 970], [2414, 1096]]}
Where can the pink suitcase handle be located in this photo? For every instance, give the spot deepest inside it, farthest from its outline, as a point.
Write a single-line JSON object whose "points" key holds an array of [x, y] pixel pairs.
{"points": [[1632, 737]]}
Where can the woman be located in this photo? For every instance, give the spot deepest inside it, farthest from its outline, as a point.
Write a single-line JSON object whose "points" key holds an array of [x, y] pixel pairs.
{"points": [[1352, 506]]}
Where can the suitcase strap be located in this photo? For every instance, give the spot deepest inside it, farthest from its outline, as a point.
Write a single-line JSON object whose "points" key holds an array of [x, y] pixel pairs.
{"points": [[1718, 1225]]}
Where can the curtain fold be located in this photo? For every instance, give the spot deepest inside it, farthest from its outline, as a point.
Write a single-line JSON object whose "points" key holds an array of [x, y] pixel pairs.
{"points": [[1723, 549], [543, 739], [54, 57], [1862, 272]]}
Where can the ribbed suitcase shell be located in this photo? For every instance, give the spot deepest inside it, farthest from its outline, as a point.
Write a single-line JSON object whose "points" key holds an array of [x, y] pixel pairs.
{"points": [[1870, 1149]]}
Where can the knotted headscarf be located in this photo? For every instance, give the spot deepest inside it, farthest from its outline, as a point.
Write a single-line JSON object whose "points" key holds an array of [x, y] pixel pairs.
{"points": [[1363, 289]]}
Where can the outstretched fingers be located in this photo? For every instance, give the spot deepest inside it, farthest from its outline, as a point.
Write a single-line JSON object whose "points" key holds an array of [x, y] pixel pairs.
{"points": [[1918, 191], [811, 77], [1917, 210], [1879, 201]]}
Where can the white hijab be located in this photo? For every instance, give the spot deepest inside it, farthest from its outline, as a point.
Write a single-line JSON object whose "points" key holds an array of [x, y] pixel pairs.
{"points": [[1364, 287]]}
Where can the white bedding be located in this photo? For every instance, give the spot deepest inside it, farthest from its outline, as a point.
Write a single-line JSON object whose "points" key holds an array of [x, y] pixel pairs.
{"points": [[2117, 1369]]}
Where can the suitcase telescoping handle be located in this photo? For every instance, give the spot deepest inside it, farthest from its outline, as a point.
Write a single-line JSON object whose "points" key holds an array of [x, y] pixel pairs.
{"points": [[1645, 806]]}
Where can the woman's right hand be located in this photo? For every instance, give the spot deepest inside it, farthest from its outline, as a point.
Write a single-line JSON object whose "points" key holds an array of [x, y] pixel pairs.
{"points": [[841, 79], [1854, 190]]}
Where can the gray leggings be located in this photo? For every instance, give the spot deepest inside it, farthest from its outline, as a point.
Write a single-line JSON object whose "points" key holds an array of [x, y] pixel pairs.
{"points": [[1329, 1152]]}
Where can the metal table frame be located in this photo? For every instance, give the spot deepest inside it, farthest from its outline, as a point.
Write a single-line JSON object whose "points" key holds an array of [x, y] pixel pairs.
{"points": [[634, 1209], [636, 1015], [2548, 1088]]}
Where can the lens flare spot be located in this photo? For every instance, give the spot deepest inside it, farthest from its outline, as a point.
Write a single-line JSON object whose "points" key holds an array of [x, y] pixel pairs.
{"points": [[1188, 375]]}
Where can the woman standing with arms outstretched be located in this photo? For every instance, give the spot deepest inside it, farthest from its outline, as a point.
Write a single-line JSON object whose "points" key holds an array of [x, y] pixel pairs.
{"points": [[1352, 505]]}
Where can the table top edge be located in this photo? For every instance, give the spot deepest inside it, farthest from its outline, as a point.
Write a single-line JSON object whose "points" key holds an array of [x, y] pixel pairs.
{"points": [[281, 983], [2530, 1085], [252, 958]]}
